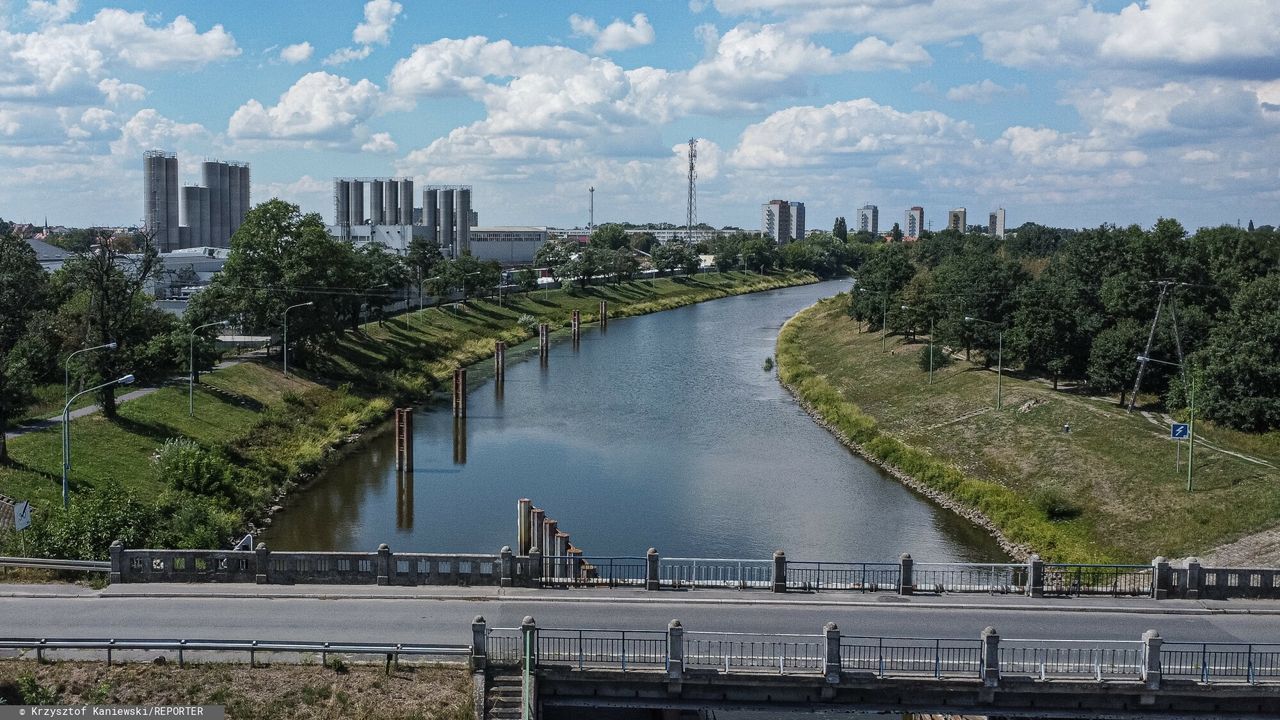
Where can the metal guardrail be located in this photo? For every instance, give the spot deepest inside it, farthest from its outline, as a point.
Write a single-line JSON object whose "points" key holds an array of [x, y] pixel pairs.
{"points": [[1072, 579], [990, 578], [1251, 662], [590, 570], [903, 656], [715, 573], [55, 564], [1093, 659], [860, 576], [754, 651], [253, 647]]}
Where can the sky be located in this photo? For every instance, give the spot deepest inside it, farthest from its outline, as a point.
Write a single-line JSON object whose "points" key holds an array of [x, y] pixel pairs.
{"points": [[1064, 112]]}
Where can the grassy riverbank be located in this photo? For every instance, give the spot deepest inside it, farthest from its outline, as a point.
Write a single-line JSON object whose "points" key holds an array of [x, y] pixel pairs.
{"points": [[272, 430], [1108, 490], [276, 691]]}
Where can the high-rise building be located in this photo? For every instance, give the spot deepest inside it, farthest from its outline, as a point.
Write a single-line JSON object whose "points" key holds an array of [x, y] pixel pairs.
{"points": [[995, 223], [797, 220], [869, 219], [956, 219], [210, 214], [914, 223], [775, 220]]}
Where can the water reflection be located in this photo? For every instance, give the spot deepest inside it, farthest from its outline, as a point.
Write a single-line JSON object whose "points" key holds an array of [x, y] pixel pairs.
{"points": [[665, 433]]}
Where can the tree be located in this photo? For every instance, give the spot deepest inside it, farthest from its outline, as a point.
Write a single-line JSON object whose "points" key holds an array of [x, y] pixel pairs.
{"points": [[1242, 361], [896, 233], [473, 275], [689, 262], [644, 242], [1050, 332], [526, 279], [113, 306], [609, 236], [554, 255], [1113, 359], [422, 259], [23, 295], [882, 276], [665, 258], [841, 229], [624, 264], [759, 255]]}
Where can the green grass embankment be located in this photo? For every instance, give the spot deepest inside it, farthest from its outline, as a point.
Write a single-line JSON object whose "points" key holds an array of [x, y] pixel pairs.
{"points": [[1106, 491], [274, 429]]}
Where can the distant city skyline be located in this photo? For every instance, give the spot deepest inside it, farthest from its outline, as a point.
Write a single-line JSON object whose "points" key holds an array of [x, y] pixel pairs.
{"points": [[1071, 113]]}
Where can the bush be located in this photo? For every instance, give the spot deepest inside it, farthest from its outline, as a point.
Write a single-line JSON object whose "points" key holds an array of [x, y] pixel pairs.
{"points": [[194, 522], [96, 517], [527, 321], [1055, 503], [184, 466], [941, 358]]}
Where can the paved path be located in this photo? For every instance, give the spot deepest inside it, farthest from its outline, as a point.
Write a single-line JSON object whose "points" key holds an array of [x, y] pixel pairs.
{"points": [[91, 409], [444, 614]]}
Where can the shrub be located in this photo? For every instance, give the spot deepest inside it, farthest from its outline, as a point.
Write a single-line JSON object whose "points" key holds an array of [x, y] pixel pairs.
{"points": [[194, 522], [527, 321], [768, 364], [940, 357], [184, 466], [1055, 503], [95, 518]]}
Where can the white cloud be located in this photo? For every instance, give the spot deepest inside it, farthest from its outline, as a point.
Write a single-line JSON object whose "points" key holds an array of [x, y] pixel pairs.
{"points": [[982, 92], [149, 129], [380, 143], [51, 11], [1200, 156], [617, 35], [343, 56], [319, 106], [116, 91], [296, 53], [379, 17]]}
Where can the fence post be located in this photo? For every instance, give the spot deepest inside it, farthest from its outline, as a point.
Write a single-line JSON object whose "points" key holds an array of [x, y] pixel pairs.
{"points": [[990, 657], [779, 571], [384, 564], [1151, 669], [528, 639], [507, 578], [263, 558], [1159, 578], [117, 562], [906, 574], [831, 631], [675, 655], [479, 644], [535, 567], [1193, 578], [651, 570], [1035, 576]]}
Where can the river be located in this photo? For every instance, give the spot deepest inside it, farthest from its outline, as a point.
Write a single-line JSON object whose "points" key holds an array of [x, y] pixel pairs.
{"points": [[663, 431]]}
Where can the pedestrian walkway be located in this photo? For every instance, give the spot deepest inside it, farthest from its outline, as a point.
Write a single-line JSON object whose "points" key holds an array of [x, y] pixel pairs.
{"points": [[91, 409]]}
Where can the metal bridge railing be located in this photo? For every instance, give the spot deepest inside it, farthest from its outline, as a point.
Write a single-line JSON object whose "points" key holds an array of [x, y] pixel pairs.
{"points": [[576, 570], [252, 647], [1071, 579], [715, 573], [754, 651], [991, 578], [1093, 659], [902, 656], [623, 649], [54, 564], [1207, 662], [860, 576]]}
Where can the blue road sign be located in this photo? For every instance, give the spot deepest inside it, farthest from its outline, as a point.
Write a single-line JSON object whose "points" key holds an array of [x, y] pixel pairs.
{"points": [[1179, 431]]}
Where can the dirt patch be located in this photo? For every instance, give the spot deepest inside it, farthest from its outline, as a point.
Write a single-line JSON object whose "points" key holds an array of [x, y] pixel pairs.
{"points": [[274, 691], [1259, 550]]}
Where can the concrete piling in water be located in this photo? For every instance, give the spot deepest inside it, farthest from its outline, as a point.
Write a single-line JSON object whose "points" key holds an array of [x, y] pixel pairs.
{"points": [[576, 326], [499, 362], [523, 509], [544, 343], [604, 314], [460, 392]]}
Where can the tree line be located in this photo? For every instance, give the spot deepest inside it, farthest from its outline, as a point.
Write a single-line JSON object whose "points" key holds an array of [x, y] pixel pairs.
{"points": [[1079, 305]]}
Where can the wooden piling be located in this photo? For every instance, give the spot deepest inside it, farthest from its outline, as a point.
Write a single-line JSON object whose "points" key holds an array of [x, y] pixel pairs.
{"points": [[459, 441], [544, 343], [523, 509], [499, 362], [404, 440], [460, 392], [577, 326]]}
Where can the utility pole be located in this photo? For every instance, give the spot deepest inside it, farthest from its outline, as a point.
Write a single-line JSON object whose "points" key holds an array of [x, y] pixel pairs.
{"points": [[1151, 337]]}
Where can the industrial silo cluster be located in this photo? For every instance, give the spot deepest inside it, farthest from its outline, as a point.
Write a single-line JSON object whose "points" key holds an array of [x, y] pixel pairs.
{"points": [[193, 215], [390, 201], [446, 210]]}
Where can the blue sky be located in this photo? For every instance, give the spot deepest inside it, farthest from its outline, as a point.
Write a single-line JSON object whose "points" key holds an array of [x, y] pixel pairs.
{"points": [[1064, 112]]}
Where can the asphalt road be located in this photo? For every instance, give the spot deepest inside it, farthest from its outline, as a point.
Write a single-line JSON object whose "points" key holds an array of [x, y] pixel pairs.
{"points": [[201, 613]]}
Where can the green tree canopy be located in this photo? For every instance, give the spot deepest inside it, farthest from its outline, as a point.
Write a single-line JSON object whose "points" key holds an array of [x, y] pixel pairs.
{"points": [[1241, 363]]}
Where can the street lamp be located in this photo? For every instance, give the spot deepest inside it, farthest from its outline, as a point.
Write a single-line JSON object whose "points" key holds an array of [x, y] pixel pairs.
{"points": [[191, 366], [286, 333], [1191, 407], [908, 307], [66, 431], [366, 292], [999, 356], [66, 374]]}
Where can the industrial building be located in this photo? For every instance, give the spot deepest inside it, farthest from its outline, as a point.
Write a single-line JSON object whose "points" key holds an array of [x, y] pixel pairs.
{"points": [[869, 219], [957, 219], [914, 222], [782, 220], [381, 210], [510, 245], [995, 223], [180, 217]]}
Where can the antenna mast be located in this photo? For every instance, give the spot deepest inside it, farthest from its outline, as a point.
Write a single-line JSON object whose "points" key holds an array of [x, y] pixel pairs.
{"points": [[591, 222], [691, 218]]}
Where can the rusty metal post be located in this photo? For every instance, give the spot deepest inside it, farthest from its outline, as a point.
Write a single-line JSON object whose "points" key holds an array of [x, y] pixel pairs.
{"points": [[460, 441], [523, 508], [499, 362], [577, 326], [544, 345], [604, 314], [460, 392]]}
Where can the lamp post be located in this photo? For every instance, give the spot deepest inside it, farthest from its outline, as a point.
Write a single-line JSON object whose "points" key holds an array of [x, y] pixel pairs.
{"points": [[66, 367], [366, 292], [286, 333], [884, 316], [999, 356], [1191, 408], [908, 307], [191, 365], [66, 431]]}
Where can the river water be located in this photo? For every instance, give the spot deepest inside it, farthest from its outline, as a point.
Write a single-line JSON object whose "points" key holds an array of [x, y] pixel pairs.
{"points": [[662, 431]]}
